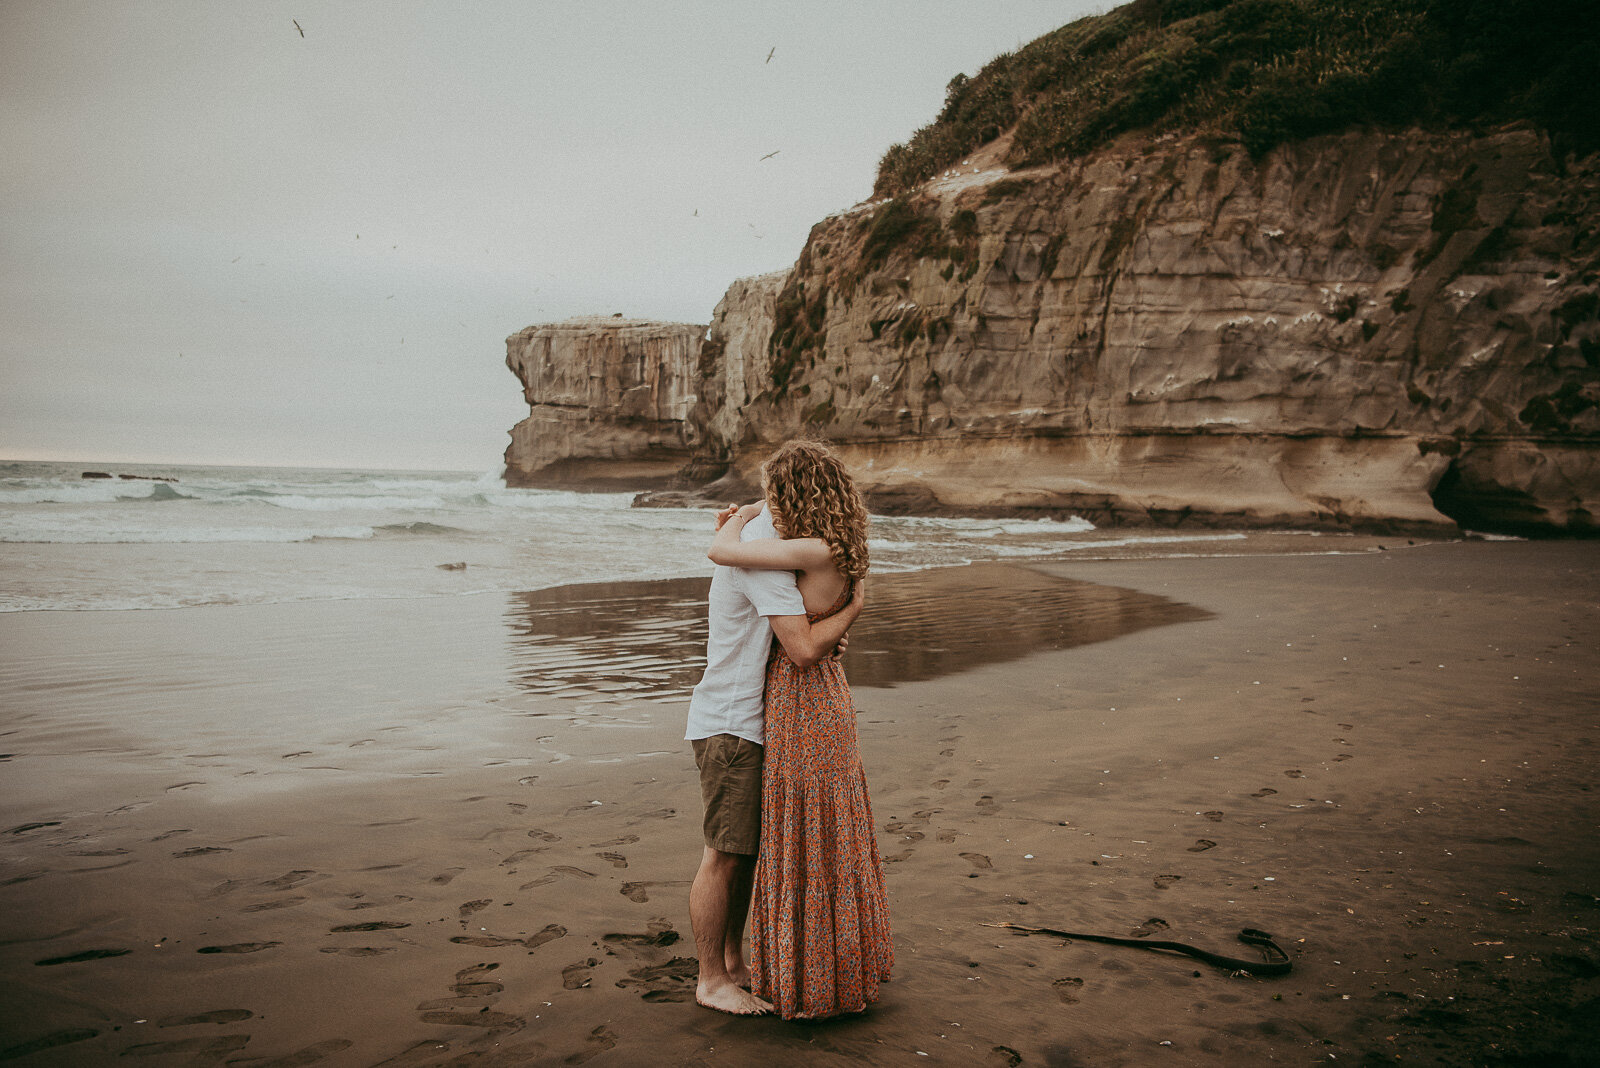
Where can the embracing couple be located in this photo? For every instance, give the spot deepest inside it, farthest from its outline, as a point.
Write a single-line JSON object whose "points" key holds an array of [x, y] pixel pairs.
{"points": [[774, 734]]}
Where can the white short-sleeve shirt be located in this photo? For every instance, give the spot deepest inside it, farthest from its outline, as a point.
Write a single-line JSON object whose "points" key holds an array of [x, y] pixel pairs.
{"points": [[728, 698]]}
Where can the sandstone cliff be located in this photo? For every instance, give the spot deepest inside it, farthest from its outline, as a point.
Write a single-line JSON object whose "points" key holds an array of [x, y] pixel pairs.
{"points": [[1369, 330], [1382, 331], [608, 399]]}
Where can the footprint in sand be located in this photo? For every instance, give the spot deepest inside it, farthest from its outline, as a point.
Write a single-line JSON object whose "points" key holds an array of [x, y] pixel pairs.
{"points": [[280, 903], [896, 827], [657, 814], [201, 851], [469, 907], [287, 879], [896, 858], [673, 981], [986, 801], [371, 925], [215, 1016], [1214, 816], [356, 906], [212, 1048], [639, 891], [576, 976], [1161, 882], [940, 784], [168, 834], [357, 951], [947, 837], [555, 873], [977, 860], [659, 936], [88, 954], [1265, 791], [496, 1024], [1342, 756], [600, 1039], [24, 828], [1005, 1055], [627, 839], [947, 752], [617, 859], [444, 877], [1068, 989], [470, 981], [1201, 845], [310, 1055], [544, 836], [516, 806], [1295, 773], [1154, 925], [521, 855], [1347, 726], [550, 933], [49, 1041], [239, 947]]}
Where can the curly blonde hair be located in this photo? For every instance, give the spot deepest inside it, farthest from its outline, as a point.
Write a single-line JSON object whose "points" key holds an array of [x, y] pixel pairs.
{"points": [[811, 495]]}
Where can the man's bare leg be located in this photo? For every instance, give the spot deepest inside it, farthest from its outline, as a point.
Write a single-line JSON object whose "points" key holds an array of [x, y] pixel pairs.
{"points": [[711, 901], [744, 878]]}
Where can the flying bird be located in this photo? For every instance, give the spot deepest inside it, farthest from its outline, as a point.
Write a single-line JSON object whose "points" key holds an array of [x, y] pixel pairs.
{"points": [[769, 54], [303, 32], [769, 155]]}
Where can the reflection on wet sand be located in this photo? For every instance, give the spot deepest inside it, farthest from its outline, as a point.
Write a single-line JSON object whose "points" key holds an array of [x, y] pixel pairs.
{"points": [[646, 640]]}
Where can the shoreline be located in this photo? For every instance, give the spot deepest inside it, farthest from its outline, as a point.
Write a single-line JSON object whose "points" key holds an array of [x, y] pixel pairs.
{"points": [[421, 837]]}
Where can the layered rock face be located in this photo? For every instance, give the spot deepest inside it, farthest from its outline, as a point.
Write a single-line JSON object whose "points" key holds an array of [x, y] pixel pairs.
{"points": [[608, 402], [1369, 331]]}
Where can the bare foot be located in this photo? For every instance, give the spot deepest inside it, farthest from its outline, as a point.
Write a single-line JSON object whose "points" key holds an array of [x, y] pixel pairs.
{"points": [[730, 999]]}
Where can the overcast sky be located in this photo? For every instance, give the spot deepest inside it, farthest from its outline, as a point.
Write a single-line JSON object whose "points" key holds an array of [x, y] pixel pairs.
{"points": [[225, 242]]}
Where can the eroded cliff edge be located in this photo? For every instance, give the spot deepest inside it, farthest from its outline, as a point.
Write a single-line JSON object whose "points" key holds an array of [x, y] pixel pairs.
{"points": [[608, 402], [1373, 330]]}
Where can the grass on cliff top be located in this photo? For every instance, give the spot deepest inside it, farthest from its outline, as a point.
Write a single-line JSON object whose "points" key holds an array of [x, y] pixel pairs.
{"points": [[1269, 72]]}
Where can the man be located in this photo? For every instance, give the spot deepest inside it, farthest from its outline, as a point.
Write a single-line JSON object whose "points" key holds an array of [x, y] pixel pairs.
{"points": [[747, 608]]}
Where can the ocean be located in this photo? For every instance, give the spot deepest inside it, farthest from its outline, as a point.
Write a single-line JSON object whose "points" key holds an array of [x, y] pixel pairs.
{"points": [[254, 535]]}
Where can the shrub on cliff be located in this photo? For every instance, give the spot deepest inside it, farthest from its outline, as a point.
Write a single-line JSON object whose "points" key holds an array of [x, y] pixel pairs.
{"points": [[1270, 71]]}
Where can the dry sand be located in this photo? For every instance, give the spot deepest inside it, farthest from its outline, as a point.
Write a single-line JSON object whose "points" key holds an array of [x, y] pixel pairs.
{"points": [[461, 830]]}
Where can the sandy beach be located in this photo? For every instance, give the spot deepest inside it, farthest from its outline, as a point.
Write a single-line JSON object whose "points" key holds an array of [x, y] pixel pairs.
{"points": [[460, 830]]}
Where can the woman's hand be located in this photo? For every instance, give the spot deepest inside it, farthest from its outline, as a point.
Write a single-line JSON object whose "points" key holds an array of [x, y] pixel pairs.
{"points": [[747, 513]]}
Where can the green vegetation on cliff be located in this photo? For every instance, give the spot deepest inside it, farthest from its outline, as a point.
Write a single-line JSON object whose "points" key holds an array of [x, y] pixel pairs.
{"points": [[1271, 71]]}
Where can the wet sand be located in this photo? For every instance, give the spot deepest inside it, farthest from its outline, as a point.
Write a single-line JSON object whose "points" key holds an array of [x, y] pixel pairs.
{"points": [[461, 830]]}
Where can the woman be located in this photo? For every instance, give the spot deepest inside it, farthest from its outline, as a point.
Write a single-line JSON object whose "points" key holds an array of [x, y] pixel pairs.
{"points": [[819, 917]]}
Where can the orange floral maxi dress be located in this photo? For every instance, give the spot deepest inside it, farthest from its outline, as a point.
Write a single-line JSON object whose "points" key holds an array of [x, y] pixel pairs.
{"points": [[819, 918]]}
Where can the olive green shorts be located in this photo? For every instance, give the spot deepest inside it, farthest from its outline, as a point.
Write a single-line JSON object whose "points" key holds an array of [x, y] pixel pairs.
{"points": [[730, 787]]}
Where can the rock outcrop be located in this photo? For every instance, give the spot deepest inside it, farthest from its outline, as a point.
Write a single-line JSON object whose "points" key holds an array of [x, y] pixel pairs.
{"points": [[1368, 331], [1373, 330], [608, 400]]}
